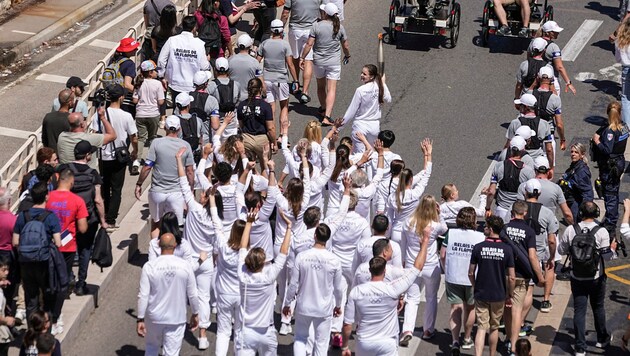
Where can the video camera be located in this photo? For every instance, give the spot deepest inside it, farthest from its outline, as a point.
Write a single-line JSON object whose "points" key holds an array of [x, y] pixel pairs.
{"points": [[99, 98]]}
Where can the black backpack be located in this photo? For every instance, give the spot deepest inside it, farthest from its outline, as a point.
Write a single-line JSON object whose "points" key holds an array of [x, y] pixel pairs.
{"points": [[511, 175], [102, 249], [84, 187], [542, 99], [226, 96], [533, 216], [533, 66], [34, 241], [533, 123], [210, 33], [189, 131], [585, 256], [198, 106]]}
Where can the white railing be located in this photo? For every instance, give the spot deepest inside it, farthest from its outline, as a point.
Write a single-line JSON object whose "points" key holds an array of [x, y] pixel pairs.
{"points": [[25, 159]]}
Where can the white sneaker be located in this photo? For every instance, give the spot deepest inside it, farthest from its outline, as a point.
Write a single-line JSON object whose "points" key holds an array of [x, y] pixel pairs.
{"points": [[203, 343], [214, 310], [21, 314], [60, 321], [285, 329], [56, 330]]}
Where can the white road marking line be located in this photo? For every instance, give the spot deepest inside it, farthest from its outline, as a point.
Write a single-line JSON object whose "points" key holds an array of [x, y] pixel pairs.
{"points": [[23, 32], [577, 43], [52, 78], [485, 181], [103, 44], [6, 131], [78, 44], [611, 73]]}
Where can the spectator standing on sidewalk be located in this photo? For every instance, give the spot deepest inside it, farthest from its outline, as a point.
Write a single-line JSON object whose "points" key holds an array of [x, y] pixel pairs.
{"points": [[166, 283], [126, 70], [78, 132], [56, 122], [77, 86], [31, 225], [112, 163], [7, 222], [491, 273], [152, 11], [149, 97], [181, 57], [165, 194], [166, 29], [588, 279], [87, 185]]}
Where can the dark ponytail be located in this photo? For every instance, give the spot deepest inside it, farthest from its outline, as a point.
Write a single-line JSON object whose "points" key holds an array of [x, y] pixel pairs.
{"points": [[373, 71], [336, 24], [139, 80]]}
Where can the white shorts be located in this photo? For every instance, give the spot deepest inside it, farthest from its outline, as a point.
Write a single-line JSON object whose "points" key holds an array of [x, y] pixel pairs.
{"points": [[161, 203], [504, 214], [297, 41], [328, 72], [377, 347], [276, 91]]}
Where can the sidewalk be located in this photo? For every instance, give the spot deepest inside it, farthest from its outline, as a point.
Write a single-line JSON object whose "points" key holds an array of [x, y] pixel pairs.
{"points": [[42, 22]]}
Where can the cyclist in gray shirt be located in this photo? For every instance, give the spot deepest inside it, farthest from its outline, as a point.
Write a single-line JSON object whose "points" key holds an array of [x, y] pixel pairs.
{"points": [[327, 38], [276, 68]]}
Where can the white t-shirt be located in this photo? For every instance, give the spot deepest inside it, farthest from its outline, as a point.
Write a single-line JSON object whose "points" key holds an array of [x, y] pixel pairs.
{"points": [[258, 292], [411, 242], [165, 284], [459, 245], [364, 254], [124, 125], [316, 283], [148, 95], [372, 306]]}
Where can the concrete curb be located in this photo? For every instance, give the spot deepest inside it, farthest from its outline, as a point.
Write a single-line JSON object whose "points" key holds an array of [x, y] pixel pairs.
{"points": [[53, 30], [125, 243]]}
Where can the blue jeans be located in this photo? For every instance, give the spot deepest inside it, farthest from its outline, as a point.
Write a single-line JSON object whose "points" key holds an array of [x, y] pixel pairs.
{"points": [[625, 92], [594, 292], [84, 250]]}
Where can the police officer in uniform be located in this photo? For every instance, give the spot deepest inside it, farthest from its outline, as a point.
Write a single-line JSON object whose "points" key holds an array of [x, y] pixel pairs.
{"points": [[609, 147]]}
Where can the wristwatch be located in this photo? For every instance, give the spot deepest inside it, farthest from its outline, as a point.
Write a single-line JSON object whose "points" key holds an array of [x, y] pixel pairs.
{"points": [[140, 320]]}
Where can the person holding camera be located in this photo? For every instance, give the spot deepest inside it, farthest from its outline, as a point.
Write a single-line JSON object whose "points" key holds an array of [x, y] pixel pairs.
{"points": [[609, 145], [115, 157]]}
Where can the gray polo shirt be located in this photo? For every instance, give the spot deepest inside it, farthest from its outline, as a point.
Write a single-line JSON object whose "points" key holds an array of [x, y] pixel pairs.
{"points": [[543, 132], [548, 224], [244, 67], [327, 48], [552, 52], [275, 52], [506, 199], [550, 196], [164, 177], [303, 13]]}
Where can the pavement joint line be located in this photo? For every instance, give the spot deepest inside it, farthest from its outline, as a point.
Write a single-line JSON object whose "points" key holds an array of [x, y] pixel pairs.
{"points": [[579, 39], [7, 131], [52, 78], [23, 32], [78, 44], [103, 44]]}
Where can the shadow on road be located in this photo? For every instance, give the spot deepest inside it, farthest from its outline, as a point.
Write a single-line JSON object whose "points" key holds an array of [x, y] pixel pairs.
{"points": [[611, 11]]}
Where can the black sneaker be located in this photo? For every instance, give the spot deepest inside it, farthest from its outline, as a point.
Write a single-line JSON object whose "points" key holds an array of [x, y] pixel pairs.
{"points": [[546, 306], [503, 30], [455, 349], [80, 291]]}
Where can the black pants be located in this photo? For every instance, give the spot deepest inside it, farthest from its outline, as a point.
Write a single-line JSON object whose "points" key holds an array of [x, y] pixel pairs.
{"points": [[113, 174], [263, 17], [10, 291], [84, 249], [35, 282], [594, 292], [69, 258]]}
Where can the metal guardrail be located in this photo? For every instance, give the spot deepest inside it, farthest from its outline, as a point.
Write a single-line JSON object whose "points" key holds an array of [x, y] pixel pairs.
{"points": [[25, 159]]}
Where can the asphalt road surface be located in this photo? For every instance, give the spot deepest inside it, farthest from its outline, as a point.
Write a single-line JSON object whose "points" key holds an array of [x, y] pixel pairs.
{"points": [[461, 98]]}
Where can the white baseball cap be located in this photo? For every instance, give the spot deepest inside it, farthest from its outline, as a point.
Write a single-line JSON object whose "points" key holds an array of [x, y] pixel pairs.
{"points": [[330, 9], [245, 40], [538, 44], [200, 78], [551, 26], [525, 132], [277, 26], [526, 99], [222, 64], [546, 71], [533, 186], [184, 99], [541, 163], [517, 142], [172, 123]]}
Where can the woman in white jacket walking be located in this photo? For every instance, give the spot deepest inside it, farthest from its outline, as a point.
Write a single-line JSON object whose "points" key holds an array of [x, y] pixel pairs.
{"points": [[365, 107]]}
